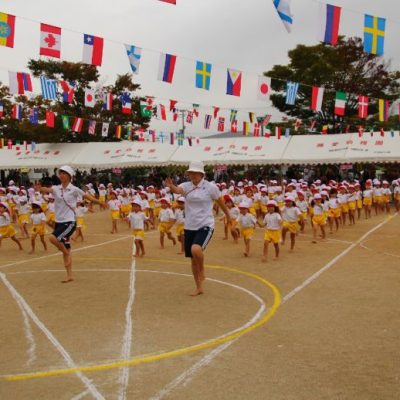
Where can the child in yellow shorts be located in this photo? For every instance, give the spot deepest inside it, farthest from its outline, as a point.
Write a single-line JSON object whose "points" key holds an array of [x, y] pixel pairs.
{"points": [[6, 228], [166, 220], [38, 219], [319, 219], [80, 212], [180, 222], [247, 223], [114, 204], [137, 219]]}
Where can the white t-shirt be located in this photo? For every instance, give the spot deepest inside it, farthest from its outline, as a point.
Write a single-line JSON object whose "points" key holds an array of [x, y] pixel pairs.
{"points": [[137, 220], [38, 218], [179, 216], [234, 212], [247, 221], [114, 205], [166, 215], [5, 219], [273, 221], [65, 202], [199, 204], [290, 214]]}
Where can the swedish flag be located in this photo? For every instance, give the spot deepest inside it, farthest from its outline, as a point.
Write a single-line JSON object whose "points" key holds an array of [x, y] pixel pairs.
{"points": [[203, 75], [374, 34]]}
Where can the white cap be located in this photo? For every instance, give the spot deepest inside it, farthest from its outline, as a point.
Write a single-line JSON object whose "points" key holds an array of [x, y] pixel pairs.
{"points": [[317, 196], [67, 169], [272, 203], [137, 202], [244, 204], [181, 199], [196, 166]]}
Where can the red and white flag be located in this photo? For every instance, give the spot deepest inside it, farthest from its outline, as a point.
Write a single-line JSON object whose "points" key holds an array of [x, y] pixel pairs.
{"points": [[163, 113], [149, 103], [234, 125], [266, 120], [221, 124], [50, 119], [216, 111], [316, 98], [297, 124], [90, 98], [264, 88], [169, 1], [175, 116], [256, 129], [278, 132], [92, 128], [360, 131], [363, 106], [92, 50], [50, 41], [312, 125], [189, 117], [77, 125], [172, 104]]}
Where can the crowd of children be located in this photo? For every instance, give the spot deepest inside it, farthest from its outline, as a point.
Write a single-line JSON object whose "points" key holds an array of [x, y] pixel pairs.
{"points": [[282, 209]]}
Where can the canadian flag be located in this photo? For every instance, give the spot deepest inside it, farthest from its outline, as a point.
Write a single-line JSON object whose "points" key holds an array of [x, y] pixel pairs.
{"points": [[90, 98], [50, 41]]}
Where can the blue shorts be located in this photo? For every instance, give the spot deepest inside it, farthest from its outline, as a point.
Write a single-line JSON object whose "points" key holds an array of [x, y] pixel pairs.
{"points": [[201, 237], [63, 231]]}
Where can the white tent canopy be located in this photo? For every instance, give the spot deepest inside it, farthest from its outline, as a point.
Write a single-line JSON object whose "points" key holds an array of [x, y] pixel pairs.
{"points": [[310, 150]]}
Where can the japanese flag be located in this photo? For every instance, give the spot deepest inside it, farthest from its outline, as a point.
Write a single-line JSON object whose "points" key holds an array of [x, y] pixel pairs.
{"points": [[264, 88], [90, 98]]}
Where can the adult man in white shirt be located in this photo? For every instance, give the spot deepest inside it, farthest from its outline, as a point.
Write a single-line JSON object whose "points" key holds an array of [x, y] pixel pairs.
{"points": [[199, 197], [66, 196]]}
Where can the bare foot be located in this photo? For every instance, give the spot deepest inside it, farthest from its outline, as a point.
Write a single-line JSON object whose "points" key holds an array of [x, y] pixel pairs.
{"points": [[245, 254], [275, 258], [180, 252], [225, 238], [314, 241], [264, 260], [68, 280], [197, 292], [31, 252]]}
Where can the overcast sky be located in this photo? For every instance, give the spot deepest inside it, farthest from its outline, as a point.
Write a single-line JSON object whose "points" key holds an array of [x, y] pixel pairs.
{"points": [[243, 34]]}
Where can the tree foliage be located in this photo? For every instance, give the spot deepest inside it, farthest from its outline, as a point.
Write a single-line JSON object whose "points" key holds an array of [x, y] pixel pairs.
{"points": [[86, 77], [344, 67]]}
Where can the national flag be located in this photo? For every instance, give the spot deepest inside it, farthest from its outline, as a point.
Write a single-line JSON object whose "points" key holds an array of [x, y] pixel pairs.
{"points": [[144, 111], [152, 134], [234, 82], [203, 75], [92, 128], [252, 117], [266, 120], [68, 89], [126, 103], [49, 88], [196, 110], [392, 133], [1, 110], [162, 112], [287, 133], [360, 131], [312, 125], [256, 129], [105, 126], [283, 9], [172, 138], [190, 142], [245, 128], [1, 143], [169, 1], [134, 55], [189, 117], [216, 111], [264, 88], [233, 115], [90, 98], [340, 103], [166, 67], [384, 107], [363, 106], [324, 129], [77, 125], [9, 144], [107, 101], [329, 22], [34, 116], [221, 124], [291, 92], [374, 34], [20, 82], [92, 49], [234, 126], [16, 112], [316, 98], [172, 104], [118, 131], [278, 132], [149, 102], [7, 30], [297, 124], [65, 122], [50, 41], [175, 115], [382, 131], [50, 119], [207, 121]]}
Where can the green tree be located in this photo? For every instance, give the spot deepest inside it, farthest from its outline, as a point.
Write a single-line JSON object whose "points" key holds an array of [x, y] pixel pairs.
{"points": [[85, 77], [344, 67]]}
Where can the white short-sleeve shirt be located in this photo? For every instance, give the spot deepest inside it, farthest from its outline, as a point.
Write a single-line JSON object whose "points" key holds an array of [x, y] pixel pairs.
{"points": [[199, 204], [273, 221], [65, 202]]}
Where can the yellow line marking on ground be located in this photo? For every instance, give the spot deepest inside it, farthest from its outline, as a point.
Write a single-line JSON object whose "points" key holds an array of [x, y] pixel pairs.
{"points": [[149, 358]]}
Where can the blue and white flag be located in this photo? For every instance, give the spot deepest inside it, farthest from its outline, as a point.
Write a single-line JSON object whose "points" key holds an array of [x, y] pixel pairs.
{"points": [[291, 92], [49, 88], [287, 133], [34, 116], [283, 8], [134, 55]]}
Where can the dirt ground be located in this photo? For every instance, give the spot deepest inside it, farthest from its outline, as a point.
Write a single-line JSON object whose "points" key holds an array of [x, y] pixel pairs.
{"points": [[320, 323]]}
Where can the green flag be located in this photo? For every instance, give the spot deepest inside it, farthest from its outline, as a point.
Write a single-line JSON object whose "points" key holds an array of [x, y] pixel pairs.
{"points": [[144, 111], [65, 122]]}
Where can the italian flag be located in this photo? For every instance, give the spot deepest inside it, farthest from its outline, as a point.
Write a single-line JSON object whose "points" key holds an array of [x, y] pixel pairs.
{"points": [[340, 103]]}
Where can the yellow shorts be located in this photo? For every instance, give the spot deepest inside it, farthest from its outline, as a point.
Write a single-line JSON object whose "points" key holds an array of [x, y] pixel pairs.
{"points": [[23, 219], [319, 220], [247, 233], [367, 201], [157, 211], [115, 214], [378, 199], [310, 211], [386, 199], [359, 203], [345, 208], [273, 236], [138, 233], [264, 208], [102, 199], [304, 214], [252, 210], [151, 203], [163, 227], [281, 204], [180, 229], [51, 217], [7, 231], [292, 227], [80, 223], [397, 196], [126, 208], [352, 205], [256, 205], [335, 212], [38, 230]]}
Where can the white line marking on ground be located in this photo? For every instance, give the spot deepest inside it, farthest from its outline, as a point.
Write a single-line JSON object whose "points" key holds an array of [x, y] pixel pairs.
{"points": [[80, 395], [188, 374], [127, 341], [19, 299]]}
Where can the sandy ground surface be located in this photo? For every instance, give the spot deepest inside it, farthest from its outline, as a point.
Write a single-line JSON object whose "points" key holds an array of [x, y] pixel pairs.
{"points": [[335, 335]]}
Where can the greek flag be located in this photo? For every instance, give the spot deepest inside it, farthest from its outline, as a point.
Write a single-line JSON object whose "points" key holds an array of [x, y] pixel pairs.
{"points": [[291, 93], [134, 55], [49, 88], [283, 8]]}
